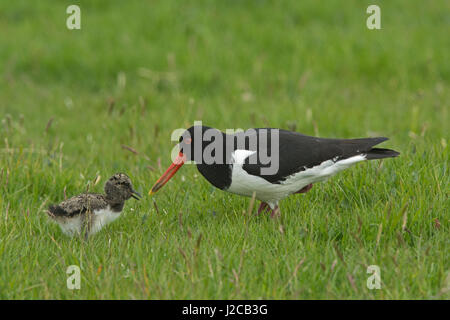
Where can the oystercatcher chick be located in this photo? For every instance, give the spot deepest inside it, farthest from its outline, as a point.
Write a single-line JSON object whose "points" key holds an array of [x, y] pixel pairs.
{"points": [[87, 213], [272, 163]]}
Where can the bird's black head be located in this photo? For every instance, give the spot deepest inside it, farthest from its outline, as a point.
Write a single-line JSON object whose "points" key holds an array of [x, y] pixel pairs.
{"points": [[119, 188], [192, 145], [195, 139]]}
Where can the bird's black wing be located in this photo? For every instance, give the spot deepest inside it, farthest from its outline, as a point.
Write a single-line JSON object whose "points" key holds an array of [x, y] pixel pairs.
{"points": [[297, 152], [78, 205]]}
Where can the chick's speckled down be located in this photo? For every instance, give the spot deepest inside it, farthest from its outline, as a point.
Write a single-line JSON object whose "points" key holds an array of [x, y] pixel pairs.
{"points": [[80, 204]]}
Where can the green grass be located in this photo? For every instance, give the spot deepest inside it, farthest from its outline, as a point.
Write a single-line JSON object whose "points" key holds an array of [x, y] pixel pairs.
{"points": [[138, 70]]}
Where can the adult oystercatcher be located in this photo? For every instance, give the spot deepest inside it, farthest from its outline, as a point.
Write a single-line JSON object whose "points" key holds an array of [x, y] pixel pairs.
{"points": [[87, 213], [272, 163]]}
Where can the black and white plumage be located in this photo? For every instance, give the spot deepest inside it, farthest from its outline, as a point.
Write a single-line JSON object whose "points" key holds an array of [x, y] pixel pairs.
{"points": [[303, 160], [87, 213]]}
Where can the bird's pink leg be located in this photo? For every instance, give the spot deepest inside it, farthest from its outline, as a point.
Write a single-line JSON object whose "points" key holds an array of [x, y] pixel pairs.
{"points": [[263, 207], [275, 212], [305, 189]]}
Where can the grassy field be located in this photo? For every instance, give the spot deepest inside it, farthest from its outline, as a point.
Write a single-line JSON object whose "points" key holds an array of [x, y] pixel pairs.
{"points": [[71, 99]]}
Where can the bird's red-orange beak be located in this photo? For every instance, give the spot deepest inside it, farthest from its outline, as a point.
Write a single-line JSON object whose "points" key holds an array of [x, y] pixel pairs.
{"points": [[170, 172]]}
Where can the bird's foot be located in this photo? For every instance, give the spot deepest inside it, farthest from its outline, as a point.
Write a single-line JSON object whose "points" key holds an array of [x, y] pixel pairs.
{"points": [[275, 212], [305, 189], [264, 206]]}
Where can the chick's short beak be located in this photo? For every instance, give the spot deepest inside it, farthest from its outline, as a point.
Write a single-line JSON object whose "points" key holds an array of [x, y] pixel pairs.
{"points": [[135, 194]]}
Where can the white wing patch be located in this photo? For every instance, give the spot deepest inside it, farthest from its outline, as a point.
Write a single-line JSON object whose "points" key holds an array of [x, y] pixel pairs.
{"points": [[245, 184], [239, 156]]}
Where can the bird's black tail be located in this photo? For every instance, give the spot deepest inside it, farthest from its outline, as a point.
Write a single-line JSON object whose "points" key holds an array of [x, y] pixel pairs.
{"points": [[365, 146], [379, 153]]}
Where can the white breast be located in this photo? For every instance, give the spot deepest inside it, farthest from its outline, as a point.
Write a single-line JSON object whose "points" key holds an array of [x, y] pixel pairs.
{"points": [[101, 218], [245, 184]]}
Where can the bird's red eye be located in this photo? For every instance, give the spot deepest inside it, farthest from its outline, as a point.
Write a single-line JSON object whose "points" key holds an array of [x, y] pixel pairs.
{"points": [[188, 140]]}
